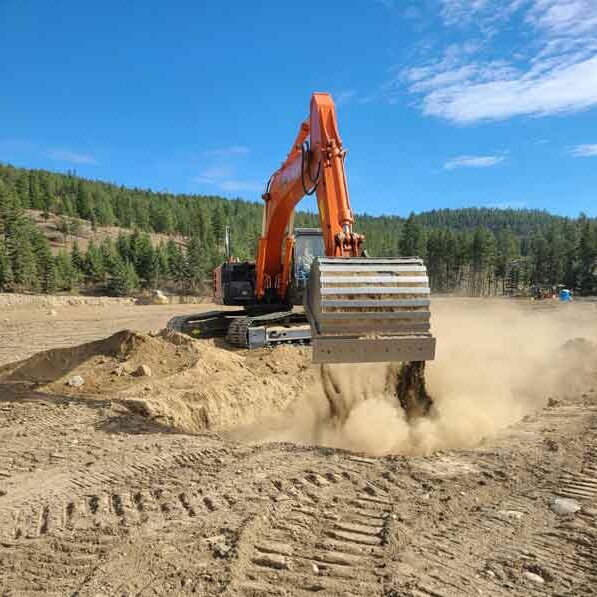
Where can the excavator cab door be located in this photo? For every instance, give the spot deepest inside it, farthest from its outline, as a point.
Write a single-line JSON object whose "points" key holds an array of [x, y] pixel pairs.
{"points": [[308, 246]]}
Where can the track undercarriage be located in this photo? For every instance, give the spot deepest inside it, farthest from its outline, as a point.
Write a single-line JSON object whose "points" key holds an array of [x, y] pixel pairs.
{"points": [[246, 330]]}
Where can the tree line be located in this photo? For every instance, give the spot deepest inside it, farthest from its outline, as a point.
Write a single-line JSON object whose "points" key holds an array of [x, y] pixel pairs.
{"points": [[477, 251], [119, 267]]}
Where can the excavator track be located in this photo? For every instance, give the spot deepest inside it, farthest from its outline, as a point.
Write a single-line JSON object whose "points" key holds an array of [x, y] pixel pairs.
{"points": [[369, 310], [212, 324], [281, 327], [246, 331]]}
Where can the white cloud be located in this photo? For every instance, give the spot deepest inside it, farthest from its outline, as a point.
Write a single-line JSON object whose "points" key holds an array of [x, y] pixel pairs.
{"points": [[556, 91], [455, 11], [584, 151], [221, 172], [473, 161], [564, 17], [231, 150], [552, 70], [216, 172], [343, 97], [236, 186], [222, 177], [73, 157]]}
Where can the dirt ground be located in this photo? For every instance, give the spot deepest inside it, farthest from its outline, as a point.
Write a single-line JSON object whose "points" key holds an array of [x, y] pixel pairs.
{"points": [[146, 463]]}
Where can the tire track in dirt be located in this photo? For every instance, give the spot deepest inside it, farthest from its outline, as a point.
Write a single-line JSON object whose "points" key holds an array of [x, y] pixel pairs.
{"points": [[500, 507], [559, 550], [327, 533]]}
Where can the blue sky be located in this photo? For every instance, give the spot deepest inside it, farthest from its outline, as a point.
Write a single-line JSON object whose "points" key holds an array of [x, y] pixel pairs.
{"points": [[441, 103]]}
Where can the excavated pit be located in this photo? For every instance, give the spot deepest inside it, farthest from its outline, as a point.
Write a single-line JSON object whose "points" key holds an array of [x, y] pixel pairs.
{"points": [[195, 386]]}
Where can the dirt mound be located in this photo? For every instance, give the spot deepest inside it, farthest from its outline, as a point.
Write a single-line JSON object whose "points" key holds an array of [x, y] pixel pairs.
{"points": [[187, 384], [224, 389], [106, 364]]}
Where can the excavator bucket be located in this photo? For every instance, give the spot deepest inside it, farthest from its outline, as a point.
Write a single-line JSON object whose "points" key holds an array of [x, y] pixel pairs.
{"points": [[369, 310]]}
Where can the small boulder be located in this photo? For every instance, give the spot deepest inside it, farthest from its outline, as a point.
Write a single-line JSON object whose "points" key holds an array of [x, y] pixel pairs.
{"points": [[142, 371], [534, 578], [75, 382], [159, 298], [564, 506], [510, 514], [52, 313], [220, 550]]}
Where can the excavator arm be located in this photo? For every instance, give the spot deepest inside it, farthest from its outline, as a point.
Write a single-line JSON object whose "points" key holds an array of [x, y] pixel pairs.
{"points": [[315, 164], [359, 309]]}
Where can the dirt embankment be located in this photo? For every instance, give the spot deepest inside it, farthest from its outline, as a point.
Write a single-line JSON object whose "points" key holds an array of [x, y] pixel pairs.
{"points": [[186, 384], [14, 301], [10, 301]]}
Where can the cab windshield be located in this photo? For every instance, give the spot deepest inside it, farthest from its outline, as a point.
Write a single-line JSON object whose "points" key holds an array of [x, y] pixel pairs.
{"points": [[306, 249]]}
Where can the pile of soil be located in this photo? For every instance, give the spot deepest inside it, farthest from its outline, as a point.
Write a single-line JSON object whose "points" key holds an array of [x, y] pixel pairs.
{"points": [[187, 384]]}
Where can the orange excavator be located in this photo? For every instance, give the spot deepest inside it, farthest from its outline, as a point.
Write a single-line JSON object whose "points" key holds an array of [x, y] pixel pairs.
{"points": [[319, 285]]}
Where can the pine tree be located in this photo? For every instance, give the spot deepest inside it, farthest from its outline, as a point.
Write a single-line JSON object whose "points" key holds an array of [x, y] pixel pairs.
{"points": [[77, 258], [93, 267], [46, 267], [84, 201], [151, 269], [163, 265], [540, 257], [124, 281], [36, 198], [6, 277], [109, 254], [196, 266], [22, 258], [483, 254], [145, 260], [412, 241], [47, 206], [587, 252], [76, 227], [176, 262], [67, 277], [63, 227]]}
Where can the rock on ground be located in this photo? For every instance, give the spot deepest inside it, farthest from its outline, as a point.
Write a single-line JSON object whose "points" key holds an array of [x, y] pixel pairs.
{"points": [[75, 382]]}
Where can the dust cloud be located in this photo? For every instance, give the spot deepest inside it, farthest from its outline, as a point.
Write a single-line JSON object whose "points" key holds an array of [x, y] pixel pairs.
{"points": [[496, 362]]}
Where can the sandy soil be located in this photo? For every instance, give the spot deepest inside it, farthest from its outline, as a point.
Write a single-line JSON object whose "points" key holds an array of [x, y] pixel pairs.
{"points": [[42, 325], [222, 472]]}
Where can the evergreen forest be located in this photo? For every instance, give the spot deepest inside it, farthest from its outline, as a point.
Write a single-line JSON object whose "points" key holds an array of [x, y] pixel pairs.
{"points": [[474, 251]]}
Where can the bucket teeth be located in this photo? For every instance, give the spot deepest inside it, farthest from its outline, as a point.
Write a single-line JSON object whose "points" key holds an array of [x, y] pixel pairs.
{"points": [[367, 310]]}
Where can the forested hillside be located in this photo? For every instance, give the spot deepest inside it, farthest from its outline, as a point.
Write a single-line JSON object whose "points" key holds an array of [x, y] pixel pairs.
{"points": [[477, 251]]}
